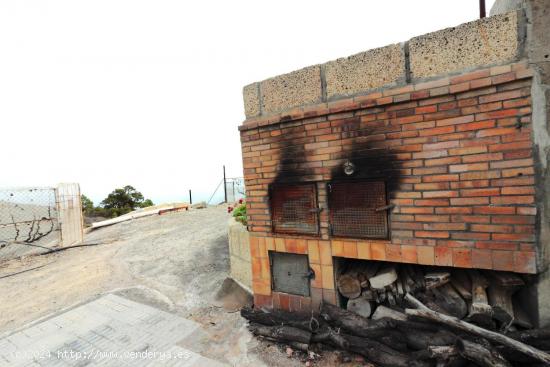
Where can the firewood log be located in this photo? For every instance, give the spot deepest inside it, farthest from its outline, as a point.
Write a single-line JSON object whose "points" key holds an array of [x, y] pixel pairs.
{"points": [[481, 312], [281, 333], [361, 306], [349, 285], [353, 323], [453, 322], [449, 299], [385, 276], [481, 355], [279, 317]]}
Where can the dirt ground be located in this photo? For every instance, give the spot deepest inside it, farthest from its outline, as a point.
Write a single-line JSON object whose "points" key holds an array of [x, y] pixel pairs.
{"points": [[175, 262]]}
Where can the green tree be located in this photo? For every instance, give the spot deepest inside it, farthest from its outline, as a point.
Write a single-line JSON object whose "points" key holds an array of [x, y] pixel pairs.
{"points": [[87, 205], [146, 203], [122, 201]]}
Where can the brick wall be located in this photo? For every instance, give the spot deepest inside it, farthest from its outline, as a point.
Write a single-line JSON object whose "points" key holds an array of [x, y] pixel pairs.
{"points": [[456, 152]]}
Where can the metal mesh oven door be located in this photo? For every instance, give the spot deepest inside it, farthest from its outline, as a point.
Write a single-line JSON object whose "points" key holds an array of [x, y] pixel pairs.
{"points": [[294, 208], [290, 273], [353, 209]]}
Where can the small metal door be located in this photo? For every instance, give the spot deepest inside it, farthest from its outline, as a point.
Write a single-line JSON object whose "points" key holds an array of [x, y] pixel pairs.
{"points": [[290, 273]]}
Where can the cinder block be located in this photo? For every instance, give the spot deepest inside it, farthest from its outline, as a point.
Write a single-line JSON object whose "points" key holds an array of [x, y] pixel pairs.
{"points": [[251, 97], [298, 88], [482, 42], [364, 71]]}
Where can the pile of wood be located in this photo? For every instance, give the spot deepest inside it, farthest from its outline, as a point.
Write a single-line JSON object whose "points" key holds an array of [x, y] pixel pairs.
{"points": [[483, 298], [417, 337], [409, 315]]}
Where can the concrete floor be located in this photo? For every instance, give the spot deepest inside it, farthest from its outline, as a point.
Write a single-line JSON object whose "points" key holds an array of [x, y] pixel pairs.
{"points": [[109, 331]]}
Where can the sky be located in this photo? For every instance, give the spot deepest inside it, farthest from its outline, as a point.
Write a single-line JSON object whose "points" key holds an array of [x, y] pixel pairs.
{"points": [[149, 93]]}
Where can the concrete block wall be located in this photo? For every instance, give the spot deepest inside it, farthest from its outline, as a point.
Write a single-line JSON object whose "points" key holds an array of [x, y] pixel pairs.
{"points": [[490, 41], [239, 253]]}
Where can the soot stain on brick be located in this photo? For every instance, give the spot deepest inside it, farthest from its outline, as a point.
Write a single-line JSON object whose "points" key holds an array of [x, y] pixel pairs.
{"points": [[372, 157]]}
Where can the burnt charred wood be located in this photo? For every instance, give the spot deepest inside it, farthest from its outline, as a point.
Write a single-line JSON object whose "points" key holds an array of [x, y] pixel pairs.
{"points": [[353, 323], [376, 352], [514, 356], [421, 340], [281, 333], [281, 318], [329, 336], [294, 345], [449, 300], [481, 355], [475, 330], [434, 280], [529, 336]]}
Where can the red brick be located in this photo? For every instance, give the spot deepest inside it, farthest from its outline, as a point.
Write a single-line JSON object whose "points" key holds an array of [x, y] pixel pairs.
{"points": [[510, 146], [468, 150], [494, 210], [525, 262], [443, 145], [503, 260], [432, 202], [513, 237], [470, 201], [471, 218], [462, 258], [476, 125], [482, 259], [468, 167], [454, 210], [440, 178], [480, 192], [393, 253], [500, 96], [408, 254], [443, 256], [521, 190], [455, 120], [432, 234], [491, 228], [431, 186], [440, 194], [506, 200], [471, 76], [437, 131], [431, 218], [482, 157], [527, 210], [445, 226]]}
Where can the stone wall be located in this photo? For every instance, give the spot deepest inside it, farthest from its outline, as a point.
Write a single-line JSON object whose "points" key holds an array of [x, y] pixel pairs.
{"points": [[239, 253], [489, 41]]}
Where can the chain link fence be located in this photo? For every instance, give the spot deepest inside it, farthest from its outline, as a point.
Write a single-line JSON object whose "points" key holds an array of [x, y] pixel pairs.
{"points": [[28, 215], [235, 189], [37, 219]]}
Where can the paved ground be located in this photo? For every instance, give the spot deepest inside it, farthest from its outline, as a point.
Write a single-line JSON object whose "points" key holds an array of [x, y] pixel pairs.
{"points": [[109, 331], [175, 263]]}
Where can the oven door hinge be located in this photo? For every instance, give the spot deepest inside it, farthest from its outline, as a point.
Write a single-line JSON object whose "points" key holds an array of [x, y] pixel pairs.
{"points": [[383, 208]]}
